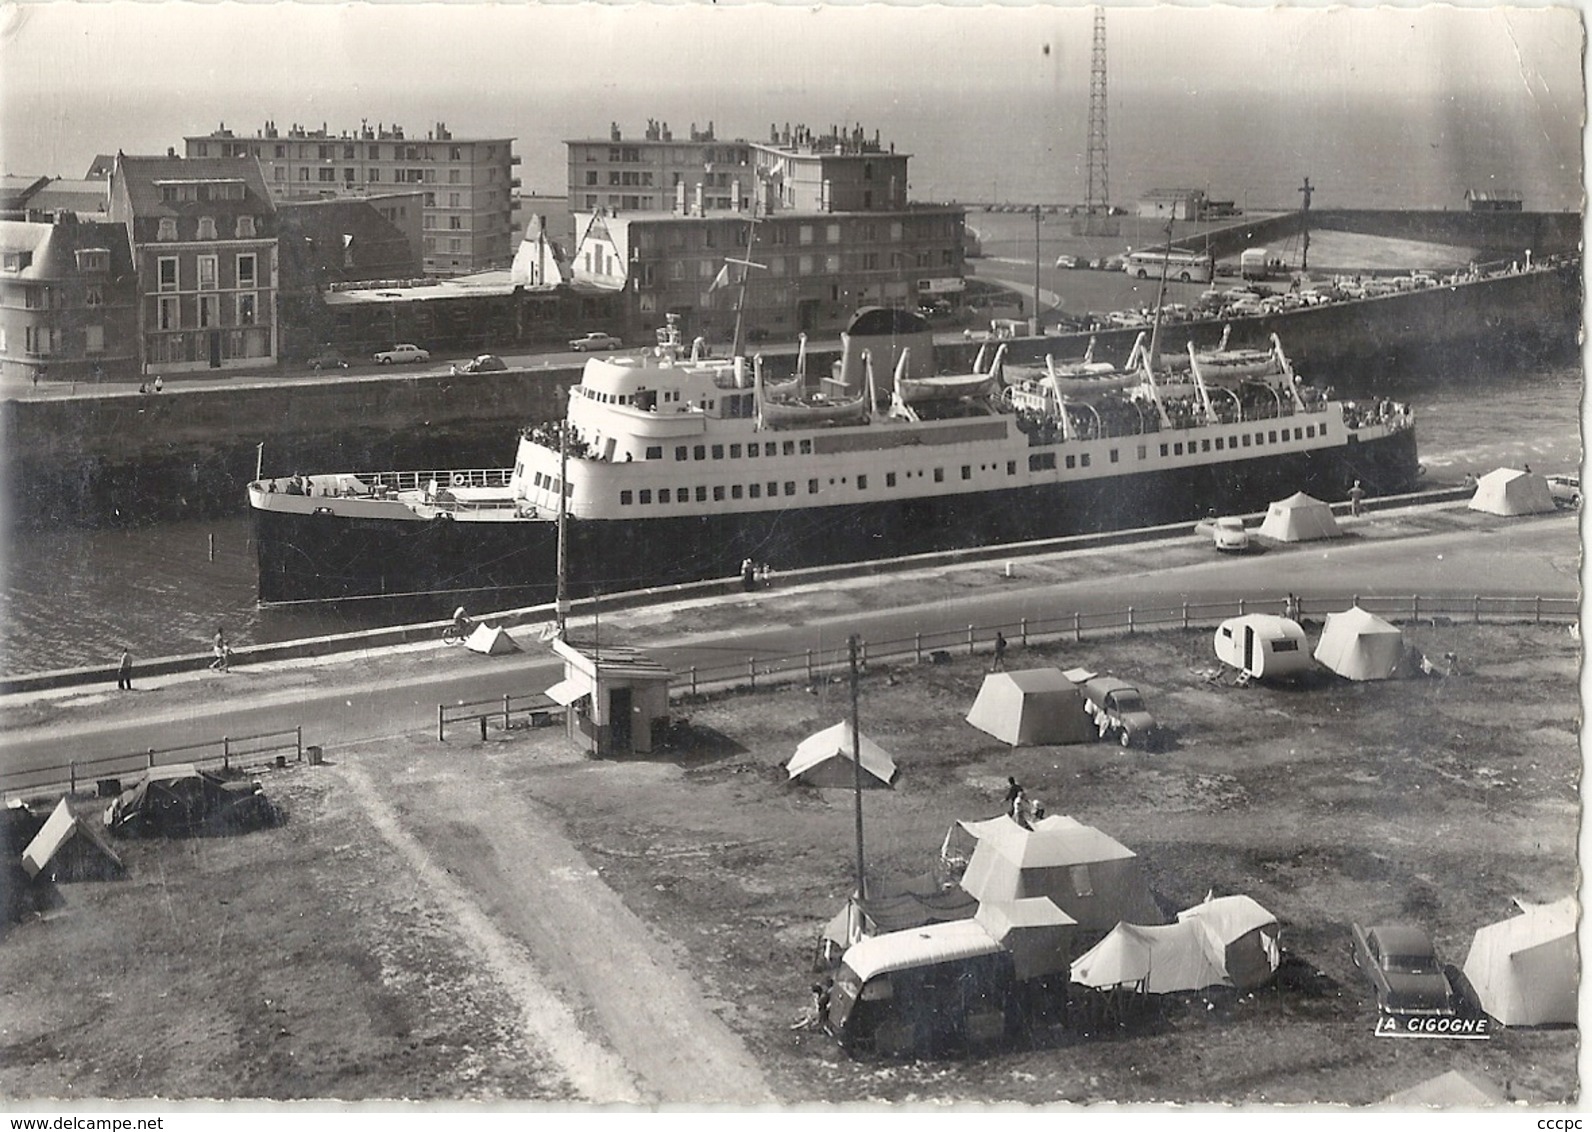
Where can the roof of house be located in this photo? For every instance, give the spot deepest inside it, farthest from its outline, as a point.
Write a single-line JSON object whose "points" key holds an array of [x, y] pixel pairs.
{"points": [[144, 177]]}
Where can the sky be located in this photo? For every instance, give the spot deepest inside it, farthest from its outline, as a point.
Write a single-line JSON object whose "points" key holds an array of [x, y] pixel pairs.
{"points": [[83, 78]]}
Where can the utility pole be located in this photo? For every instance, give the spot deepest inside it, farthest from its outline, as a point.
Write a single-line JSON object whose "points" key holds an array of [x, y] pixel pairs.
{"points": [[561, 596], [1034, 326], [856, 768], [1304, 224]]}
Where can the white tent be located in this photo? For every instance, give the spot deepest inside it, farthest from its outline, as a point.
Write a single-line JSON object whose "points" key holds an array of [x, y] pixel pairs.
{"points": [[1508, 491], [1360, 645], [824, 759], [1525, 969], [1242, 935], [1157, 960], [1264, 645], [1454, 1089], [490, 639], [1036, 705], [1299, 518], [67, 848], [1034, 930]]}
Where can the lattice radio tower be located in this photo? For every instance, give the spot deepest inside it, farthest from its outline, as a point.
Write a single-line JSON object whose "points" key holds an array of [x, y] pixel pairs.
{"points": [[1098, 197]]}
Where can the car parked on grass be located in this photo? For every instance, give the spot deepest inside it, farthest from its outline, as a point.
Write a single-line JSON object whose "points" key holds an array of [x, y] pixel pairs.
{"points": [[483, 363], [1226, 533], [1565, 490], [1117, 709], [182, 800], [1402, 965], [596, 340], [327, 359], [402, 352]]}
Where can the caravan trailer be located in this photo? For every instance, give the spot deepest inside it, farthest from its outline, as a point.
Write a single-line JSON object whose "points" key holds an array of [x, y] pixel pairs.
{"points": [[1264, 646]]}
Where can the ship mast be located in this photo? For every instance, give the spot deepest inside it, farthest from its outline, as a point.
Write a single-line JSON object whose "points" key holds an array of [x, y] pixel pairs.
{"points": [[561, 597], [1304, 226], [1160, 296], [746, 268]]}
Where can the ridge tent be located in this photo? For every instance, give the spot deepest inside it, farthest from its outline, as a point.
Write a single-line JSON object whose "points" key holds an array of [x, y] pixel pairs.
{"points": [[1035, 931], [1299, 518], [1088, 875], [824, 759], [1035, 705], [1264, 645], [68, 848], [1454, 1089], [490, 639], [894, 906], [1508, 491], [1525, 969], [1360, 645], [1242, 935], [1155, 960]]}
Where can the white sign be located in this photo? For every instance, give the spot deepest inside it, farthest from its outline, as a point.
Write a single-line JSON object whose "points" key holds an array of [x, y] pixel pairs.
{"points": [[941, 286]]}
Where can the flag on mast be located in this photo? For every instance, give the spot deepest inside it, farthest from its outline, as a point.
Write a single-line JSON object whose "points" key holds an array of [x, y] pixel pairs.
{"points": [[722, 279]]}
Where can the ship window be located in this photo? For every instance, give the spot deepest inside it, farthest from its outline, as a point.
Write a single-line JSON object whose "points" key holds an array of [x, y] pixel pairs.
{"points": [[718, 451], [1310, 430], [1163, 450], [735, 451], [1011, 467], [755, 490], [1272, 434], [807, 448], [1113, 455], [663, 495], [1084, 459], [939, 475], [1205, 446], [1218, 444], [790, 448], [700, 452], [655, 452], [1299, 434], [1042, 461], [790, 487], [889, 479], [1245, 439], [1144, 451], [626, 498], [812, 487], [862, 483], [967, 472], [519, 470], [735, 491], [679, 453], [1177, 449], [701, 495], [646, 495], [718, 494], [1072, 461], [752, 451], [773, 490]]}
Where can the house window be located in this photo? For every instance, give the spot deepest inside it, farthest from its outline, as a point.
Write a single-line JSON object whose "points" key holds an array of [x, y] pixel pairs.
{"points": [[169, 316], [168, 228], [207, 272], [245, 226], [209, 310], [246, 309], [167, 273], [326, 174], [246, 265], [94, 339], [832, 233], [93, 297]]}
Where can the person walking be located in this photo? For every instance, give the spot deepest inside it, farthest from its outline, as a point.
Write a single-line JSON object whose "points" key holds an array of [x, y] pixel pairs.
{"points": [[124, 672], [1000, 652], [222, 650], [1356, 497], [159, 384]]}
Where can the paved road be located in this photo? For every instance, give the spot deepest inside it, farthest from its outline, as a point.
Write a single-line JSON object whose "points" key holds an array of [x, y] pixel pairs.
{"points": [[393, 692]]}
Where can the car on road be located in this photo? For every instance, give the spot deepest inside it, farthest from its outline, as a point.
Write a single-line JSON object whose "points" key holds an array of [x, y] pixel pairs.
{"points": [[1565, 490], [1117, 709], [1226, 533], [596, 340], [1402, 965], [402, 352], [483, 363], [327, 359], [1068, 261]]}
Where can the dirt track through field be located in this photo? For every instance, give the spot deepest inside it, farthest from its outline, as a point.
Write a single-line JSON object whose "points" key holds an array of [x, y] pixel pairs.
{"points": [[626, 1025]]}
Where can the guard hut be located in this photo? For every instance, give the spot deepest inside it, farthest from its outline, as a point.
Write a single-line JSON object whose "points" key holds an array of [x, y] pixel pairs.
{"points": [[615, 697]]}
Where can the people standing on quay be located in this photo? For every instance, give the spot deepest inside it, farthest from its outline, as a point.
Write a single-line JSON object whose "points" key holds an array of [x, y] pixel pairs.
{"points": [[1356, 497], [124, 672], [223, 651], [159, 385]]}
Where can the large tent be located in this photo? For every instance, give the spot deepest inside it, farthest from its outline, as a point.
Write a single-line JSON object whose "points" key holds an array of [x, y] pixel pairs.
{"points": [[1242, 935], [1525, 969], [1091, 877], [1157, 960], [1264, 645], [1035, 931], [1036, 705], [1508, 491], [490, 639], [1299, 518], [68, 848], [1360, 645], [824, 759]]}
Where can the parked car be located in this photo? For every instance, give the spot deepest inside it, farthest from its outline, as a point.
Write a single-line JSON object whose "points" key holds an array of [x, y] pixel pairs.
{"points": [[182, 799], [1402, 965], [595, 341], [1226, 533], [483, 363], [1068, 261], [1565, 490], [327, 359], [1118, 709], [403, 352]]}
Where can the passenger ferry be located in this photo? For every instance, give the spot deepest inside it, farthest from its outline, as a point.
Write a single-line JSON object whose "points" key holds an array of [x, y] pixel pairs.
{"points": [[670, 467]]}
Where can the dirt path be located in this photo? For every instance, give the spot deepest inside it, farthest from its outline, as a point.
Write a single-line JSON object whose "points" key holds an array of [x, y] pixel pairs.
{"points": [[625, 1021]]}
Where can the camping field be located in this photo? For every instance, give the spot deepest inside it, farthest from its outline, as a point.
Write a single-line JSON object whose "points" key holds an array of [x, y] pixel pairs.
{"points": [[339, 955]]}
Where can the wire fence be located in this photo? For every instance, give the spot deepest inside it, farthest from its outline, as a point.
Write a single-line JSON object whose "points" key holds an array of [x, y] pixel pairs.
{"points": [[229, 751]]}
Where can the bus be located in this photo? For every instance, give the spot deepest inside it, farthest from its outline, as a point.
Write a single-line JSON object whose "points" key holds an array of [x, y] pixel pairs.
{"points": [[1181, 265]]}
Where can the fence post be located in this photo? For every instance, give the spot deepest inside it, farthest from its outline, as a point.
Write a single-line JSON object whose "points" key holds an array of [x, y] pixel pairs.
{"points": [[1356, 599], [693, 681], [226, 753], [751, 673], [1077, 625], [809, 666], [917, 647], [1538, 603], [71, 771], [862, 653], [1415, 608], [1240, 607], [439, 724], [1476, 606], [505, 711], [1130, 620], [483, 728], [1185, 615], [970, 640], [298, 741], [151, 756], [1022, 628]]}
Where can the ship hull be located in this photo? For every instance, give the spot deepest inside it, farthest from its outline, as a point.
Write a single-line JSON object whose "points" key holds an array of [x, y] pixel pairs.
{"points": [[308, 557]]}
